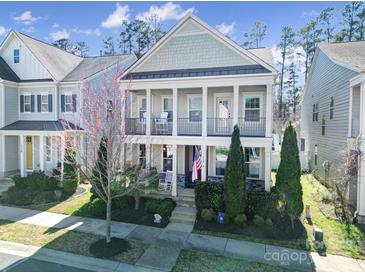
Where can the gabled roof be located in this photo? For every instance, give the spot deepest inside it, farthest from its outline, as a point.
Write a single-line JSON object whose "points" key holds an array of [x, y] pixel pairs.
{"points": [[92, 65], [58, 62], [228, 42], [348, 54], [59, 125], [264, 54], [6, 73]]}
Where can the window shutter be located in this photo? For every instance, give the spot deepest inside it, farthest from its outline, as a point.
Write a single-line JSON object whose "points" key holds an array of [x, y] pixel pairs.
{"points": [[32, 103], [74, 103], [21, 103], [39, 101], [50, 103], [62, 103]]}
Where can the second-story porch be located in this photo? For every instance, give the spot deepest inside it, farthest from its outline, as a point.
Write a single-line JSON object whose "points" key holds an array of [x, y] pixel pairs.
{"points": [[200, 111]]}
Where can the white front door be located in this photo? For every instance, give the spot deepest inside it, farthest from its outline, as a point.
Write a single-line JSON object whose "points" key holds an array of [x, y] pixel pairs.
{"points": [[223, 122]]}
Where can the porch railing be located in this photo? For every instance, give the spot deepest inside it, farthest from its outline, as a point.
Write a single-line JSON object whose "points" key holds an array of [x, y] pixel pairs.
{"points": [[161, 126], [219, 126], [252, 127], [188, 127], [135, 126]]}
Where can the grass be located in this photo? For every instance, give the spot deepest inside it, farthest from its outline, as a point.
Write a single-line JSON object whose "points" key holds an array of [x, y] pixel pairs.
{"points": [[340, 237], [194, 261], [64, 240]]}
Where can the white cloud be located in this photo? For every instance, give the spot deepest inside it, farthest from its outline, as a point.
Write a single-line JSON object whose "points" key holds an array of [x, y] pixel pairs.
{"points": [[60, 34], [3, 30], [226, 29], [87, 32], [27, 18], [120, 14], [30, 29], [168, 11], [312, 13], [55, 26]]}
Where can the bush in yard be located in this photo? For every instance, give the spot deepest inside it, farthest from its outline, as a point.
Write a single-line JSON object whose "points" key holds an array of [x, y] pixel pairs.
{"points": [[152, 177], [97, 207], [234, 178], [288, 176], [240, 220], [258, 220], [71, 173], [208, 214], [161, 207], [123, 202], [209, 195], [36, 181], [261, 202], [268, 222]]}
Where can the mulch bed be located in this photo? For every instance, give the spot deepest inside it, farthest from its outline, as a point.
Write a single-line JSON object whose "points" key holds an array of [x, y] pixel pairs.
{"points": [[140, 217]]}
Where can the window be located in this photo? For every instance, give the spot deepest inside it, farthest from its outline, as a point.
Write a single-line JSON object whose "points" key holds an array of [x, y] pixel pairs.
{"points": [[142, 107], [142, 156], [195, 109], [221, 155], [332, 104], [44, 103], [323, 127], [315, 155], [167, 158], [27, 103], [16, 56], [252, 108], [302, 144], [48, 149], [68, 103], [315, 113], [167, 106], [252, 161]]}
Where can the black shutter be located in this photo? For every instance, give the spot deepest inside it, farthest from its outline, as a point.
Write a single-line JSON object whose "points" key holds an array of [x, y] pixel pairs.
{"points": [[21, 103], [74, 103], [50, 103], [39, 103], [62, 103], [32, 103]]}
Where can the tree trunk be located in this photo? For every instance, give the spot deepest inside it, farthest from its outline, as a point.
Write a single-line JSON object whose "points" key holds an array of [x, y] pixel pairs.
{"points": [[281, 84], [137, 200], [108, 220]]}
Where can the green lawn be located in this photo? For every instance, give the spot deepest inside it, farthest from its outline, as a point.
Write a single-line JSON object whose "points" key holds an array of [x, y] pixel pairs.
{"points": [[197, 261]]}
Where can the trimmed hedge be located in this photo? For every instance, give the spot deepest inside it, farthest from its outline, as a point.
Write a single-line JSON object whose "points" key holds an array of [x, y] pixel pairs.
{"points": [[161, 207], [262, 203], [209, 195], [37, 181]]}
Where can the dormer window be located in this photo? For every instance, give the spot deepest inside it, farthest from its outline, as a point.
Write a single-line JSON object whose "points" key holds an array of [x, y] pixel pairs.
{"points": [[16, 56]]}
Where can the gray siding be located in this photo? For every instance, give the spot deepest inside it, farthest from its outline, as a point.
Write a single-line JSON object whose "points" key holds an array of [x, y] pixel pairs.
{"points": [[11, 157], [11, 103], [328, 79]]}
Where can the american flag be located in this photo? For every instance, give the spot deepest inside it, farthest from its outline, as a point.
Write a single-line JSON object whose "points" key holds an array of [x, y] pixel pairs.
{"points": [[197, 165]]}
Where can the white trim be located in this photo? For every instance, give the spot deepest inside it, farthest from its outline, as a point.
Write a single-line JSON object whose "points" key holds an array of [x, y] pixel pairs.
{"points": [[30, 102], [163, 97], [140, 97], [50, 147], [2, 100], [222, 95], [258, 94], [44, 94], [66, 94], [188, 106]]}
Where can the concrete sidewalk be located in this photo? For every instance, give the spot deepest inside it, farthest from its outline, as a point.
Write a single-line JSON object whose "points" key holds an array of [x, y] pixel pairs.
{"points": [[22, 252], [166, 243]]}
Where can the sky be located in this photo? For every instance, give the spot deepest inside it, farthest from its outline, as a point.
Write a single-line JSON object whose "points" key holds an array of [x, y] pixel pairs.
{"points": [[93, 21]]}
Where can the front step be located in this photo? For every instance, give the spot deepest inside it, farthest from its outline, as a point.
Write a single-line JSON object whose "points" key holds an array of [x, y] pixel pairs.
{"points": [[183, 215]]}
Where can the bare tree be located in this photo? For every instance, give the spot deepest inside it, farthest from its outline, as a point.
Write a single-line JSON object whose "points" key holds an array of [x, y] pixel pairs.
{"points": [[256, 35]]}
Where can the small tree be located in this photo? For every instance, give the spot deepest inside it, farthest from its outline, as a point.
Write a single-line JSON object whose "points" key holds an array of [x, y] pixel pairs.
{"points": [[288, 175], [71, 173], [234, 178]]}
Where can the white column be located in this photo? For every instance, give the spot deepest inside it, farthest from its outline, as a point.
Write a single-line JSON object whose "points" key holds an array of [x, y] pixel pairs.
{"points": [[361, 192], [148, 111], [204, 164], [174, 111], [362, 110], [267, 168], [55, 101], [269, 115], [235, 104], [122, 156], [148, 156], [62, 147], [22, 156], [350, 125], [174, 170], [41, 152], [2, 155], [204, 110]]}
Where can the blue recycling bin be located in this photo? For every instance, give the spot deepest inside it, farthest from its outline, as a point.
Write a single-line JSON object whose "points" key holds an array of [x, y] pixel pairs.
{"points": [[220, 218]]}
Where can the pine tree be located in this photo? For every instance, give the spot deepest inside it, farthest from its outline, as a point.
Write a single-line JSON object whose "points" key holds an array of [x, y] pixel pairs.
{"points": [[288, 175], [234, 178]]}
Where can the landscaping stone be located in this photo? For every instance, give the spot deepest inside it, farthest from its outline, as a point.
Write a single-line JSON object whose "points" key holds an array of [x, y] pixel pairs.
{"points": [[244, 249], [148, 234], [206, 243], [160, 257]]}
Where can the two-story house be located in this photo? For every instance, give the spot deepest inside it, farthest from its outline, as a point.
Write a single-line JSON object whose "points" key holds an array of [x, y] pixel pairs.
{"points": [[189, 90], [40, 100], [333, 115]]}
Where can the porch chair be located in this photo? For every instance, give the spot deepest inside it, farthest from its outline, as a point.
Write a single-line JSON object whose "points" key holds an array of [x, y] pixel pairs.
{"points": [[161, 124], [165, 184]]}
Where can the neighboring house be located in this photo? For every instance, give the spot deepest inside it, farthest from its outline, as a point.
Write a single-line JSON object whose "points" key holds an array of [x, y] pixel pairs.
{"points": [[333, 113], [40, 100], [189, 90]]}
